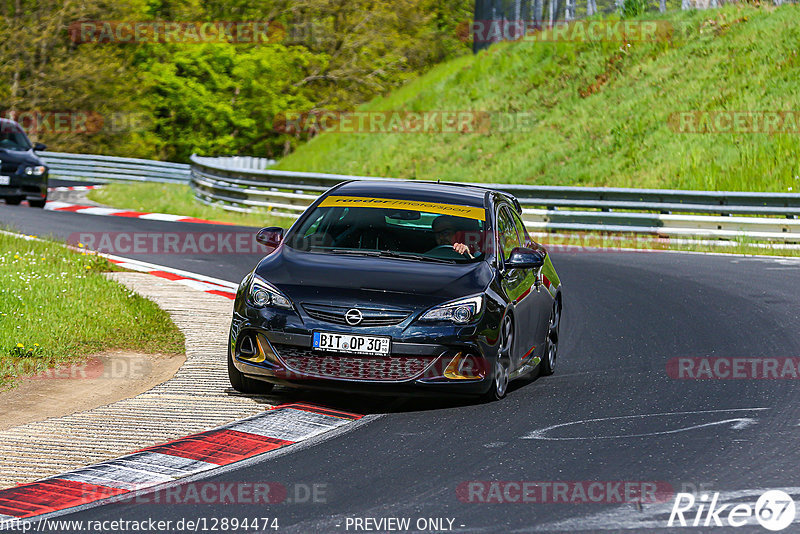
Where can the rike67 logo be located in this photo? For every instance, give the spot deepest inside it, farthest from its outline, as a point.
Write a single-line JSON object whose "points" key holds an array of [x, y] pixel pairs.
{"points": [[774, 510]]}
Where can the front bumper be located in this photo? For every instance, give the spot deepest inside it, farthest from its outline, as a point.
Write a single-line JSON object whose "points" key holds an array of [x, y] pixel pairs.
{"points": [[29, 187], [280, 353]]}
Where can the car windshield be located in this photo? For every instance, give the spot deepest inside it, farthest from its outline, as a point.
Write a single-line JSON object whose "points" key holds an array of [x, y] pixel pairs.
{"points": [[413, 230], [12, 137]]}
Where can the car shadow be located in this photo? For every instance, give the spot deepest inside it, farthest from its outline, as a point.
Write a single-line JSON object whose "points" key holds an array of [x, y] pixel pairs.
{"points": [[370, 404]]}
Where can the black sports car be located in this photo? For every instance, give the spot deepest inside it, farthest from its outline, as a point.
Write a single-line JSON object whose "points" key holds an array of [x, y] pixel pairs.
{"points": [[22, 173], [391, 286]]}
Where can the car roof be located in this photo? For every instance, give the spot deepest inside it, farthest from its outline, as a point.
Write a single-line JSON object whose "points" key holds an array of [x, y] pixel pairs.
{"points": [[465, 195], [8, 122]]}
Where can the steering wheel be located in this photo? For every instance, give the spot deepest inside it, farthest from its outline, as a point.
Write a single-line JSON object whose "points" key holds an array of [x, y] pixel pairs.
{"points": [[440, 251]]}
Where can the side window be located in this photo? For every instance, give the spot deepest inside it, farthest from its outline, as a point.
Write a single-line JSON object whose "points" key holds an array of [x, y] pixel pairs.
{"points": [[520, 228], [314, 225], [506, 232]]}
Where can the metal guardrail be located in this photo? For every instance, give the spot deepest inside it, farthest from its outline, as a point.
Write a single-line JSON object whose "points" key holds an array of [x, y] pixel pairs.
{"points": [[661, 212], [239, 162], [111, 168]]}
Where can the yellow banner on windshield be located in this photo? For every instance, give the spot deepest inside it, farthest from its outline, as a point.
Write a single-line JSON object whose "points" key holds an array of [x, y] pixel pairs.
{"points": [[469, 212]]}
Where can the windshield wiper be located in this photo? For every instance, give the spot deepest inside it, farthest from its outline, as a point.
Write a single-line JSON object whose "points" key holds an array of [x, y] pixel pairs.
{"points": [[389, 254], [411, 256], [355, 252]]}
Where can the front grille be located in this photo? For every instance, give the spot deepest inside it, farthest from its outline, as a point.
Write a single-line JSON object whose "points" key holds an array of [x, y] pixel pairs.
{"points": [[370, 316], [8, 168], [350, 367]]}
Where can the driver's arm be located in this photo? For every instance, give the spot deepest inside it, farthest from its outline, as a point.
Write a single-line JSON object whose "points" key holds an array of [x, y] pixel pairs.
{"points": [[461, 248]]}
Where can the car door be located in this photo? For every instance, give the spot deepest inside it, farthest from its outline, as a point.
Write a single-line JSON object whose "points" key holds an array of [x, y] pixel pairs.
{"points": [[540, 300], [517, 284]]}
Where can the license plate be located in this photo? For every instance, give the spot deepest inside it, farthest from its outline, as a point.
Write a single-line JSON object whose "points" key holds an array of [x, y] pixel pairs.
{"points": [[5, 180], [355, 344]]}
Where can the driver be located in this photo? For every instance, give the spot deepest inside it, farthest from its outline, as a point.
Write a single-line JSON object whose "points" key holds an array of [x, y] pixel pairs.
{"points": [[445, 228]]}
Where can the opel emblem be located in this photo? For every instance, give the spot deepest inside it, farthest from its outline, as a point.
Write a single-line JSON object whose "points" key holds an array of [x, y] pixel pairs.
{"points": [[353, 317]]}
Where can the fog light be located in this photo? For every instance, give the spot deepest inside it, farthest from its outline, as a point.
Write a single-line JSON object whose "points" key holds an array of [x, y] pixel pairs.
{"points": [[256, 349], [465, 367], [246, 347]]}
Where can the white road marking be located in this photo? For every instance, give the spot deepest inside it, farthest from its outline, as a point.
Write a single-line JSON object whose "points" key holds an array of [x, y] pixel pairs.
{"points": [[54, 205], [156, 267], [99, 211], [737, 424], [162, 217], [135, 267], [201, 286]]}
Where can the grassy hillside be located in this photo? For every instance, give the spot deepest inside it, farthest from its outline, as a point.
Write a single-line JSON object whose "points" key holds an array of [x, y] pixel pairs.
{"points": [[602, 111]]}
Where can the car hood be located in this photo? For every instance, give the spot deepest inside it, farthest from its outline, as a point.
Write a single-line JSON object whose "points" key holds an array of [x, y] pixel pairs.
{"points": [[19, 157], [362, 280]]}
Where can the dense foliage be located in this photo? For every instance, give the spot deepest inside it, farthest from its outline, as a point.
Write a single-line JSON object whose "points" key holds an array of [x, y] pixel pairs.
{"points": [[169, 99]]}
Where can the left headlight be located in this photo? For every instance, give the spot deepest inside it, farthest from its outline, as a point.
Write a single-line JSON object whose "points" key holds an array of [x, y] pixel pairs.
{"points": [[261, 293], [459, 311], [35, 171]]}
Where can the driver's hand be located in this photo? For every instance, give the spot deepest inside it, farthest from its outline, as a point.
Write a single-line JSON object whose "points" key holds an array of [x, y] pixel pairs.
{"points": [[461, 248]]}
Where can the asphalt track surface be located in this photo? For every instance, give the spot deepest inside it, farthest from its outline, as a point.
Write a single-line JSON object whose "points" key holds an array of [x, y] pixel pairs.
{"points": [[625, 316]]}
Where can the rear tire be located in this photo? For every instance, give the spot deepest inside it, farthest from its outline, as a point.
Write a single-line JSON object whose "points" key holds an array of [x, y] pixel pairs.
{"points": [[245, 384], [38, 203], [13, 201]]}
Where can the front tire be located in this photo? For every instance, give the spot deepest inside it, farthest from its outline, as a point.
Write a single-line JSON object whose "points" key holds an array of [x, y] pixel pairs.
{"points": [[550, 357], [13, 201], [502, 365], [245, 384]]}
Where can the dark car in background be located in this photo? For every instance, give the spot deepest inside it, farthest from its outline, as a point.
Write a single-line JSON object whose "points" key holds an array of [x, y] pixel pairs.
{"points": [[23, 175], [393, 286]]}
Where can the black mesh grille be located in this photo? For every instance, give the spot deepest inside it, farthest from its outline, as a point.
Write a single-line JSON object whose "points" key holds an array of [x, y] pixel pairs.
{"points": [[370, 316], [7, 167], [352, 367]]}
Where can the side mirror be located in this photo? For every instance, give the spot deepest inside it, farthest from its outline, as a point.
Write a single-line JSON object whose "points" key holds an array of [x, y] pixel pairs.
{"points": [[270, 236], [525, 258], [39, 146]]}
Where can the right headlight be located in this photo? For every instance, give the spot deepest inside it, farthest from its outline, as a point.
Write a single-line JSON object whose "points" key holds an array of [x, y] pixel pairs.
{"points": [[459, 311], [261, 293], [35, 171]]}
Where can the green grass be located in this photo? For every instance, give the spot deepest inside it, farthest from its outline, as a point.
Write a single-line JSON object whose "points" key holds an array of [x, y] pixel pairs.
{"points": [[601, 111], [177, 199], [57, 307]]}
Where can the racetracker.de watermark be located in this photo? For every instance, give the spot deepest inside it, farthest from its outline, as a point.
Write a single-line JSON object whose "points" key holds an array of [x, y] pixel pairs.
{"points": [[185, 32], [258, 493], [40, 122], [736, 122], [733, 368], [213, 242], [109, 368], [402, 121], [603, 243], [578, 31], [564, 492]]}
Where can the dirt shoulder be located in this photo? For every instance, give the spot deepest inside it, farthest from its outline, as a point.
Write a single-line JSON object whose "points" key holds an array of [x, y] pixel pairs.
{"points": [[103, 379], [115, 405]]}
